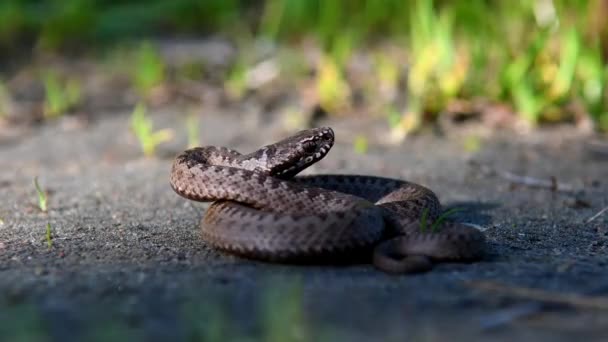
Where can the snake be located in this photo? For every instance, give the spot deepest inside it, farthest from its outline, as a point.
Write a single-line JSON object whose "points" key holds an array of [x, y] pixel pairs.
{"points": [[262, 209]]}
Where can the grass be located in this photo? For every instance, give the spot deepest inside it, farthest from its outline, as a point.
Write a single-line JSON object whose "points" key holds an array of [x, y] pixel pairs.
{"points": [[143, 128], [49, 236], [23, 322], [332, 89], [149, 69], [282, 312], [42, 204], [4, 101], [437, 223], [60, 96], [541, 58], [277, 313], [360, 144], [472, 144], [42, 196], [235, 84], [192, 128]]}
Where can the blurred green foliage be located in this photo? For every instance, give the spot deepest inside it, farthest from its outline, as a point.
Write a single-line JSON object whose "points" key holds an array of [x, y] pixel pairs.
{"points": [[544, 57], [143, 129], [56, 23], [60, 96], [148, 70]]}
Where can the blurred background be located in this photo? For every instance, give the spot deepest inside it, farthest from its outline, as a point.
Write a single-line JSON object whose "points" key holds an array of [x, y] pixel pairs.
{"points": [[489, 103], [413, 64]]}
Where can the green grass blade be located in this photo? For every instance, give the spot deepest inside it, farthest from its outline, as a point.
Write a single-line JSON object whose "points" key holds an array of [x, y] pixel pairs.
{"points": [[443, 217], [49, 236], [192, 125], [423, 223], [143, 129], [42, 198]]}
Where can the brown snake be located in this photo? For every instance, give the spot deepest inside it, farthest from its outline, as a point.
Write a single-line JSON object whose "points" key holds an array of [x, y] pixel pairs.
{"points": [[262, 211]]}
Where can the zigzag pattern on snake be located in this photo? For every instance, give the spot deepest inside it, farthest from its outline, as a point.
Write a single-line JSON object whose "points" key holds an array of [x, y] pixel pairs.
{"points": [[261, 210]]}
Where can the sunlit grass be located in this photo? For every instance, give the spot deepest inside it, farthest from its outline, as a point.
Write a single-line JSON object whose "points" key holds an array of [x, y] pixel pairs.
{"points": [[332, 89], [472, 144], [148, 70], [143, 128], [236, 80], [192, 128], [4, 101], [360, 145], [538, 57], [42, 196], [60, 95]]}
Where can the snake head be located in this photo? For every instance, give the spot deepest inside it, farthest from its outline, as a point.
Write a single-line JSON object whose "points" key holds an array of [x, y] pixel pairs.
{"points": [[289, 156]]}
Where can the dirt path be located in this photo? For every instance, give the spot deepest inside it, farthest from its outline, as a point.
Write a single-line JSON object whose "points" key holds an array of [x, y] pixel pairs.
{"points": [[126, 259]]}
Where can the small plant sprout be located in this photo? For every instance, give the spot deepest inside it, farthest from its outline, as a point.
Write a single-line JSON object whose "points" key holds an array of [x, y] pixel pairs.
{"points": [[150, 69], [49, 236], [423, 219], [5, 101], [60, 96], [472, 144], [333, 90], [42, 197], [438, 222], [192, 124], [443, 217], [143, 129], [360, 144], [236, 81]]}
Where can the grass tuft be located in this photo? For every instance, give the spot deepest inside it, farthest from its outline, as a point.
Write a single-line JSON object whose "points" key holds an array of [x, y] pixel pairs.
{"points": [[545, 60], [150, 69], [49, 236], [333, 91], [235, 85], [5, 101], [437, 223], [143, 129], [192, 125], [423, 220], [443, 217], [42, 196], [360, 145], [60, 96], [283, 313]]}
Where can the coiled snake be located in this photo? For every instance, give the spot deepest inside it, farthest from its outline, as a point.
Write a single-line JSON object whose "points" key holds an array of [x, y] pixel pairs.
{"points": [[262, 211]]}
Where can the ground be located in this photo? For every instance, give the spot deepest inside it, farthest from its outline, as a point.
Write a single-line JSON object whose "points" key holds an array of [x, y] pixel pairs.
{"points": [[127, 260]]}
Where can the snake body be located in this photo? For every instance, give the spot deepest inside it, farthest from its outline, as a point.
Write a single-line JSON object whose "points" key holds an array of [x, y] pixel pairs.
{"points": [[261, 210]]}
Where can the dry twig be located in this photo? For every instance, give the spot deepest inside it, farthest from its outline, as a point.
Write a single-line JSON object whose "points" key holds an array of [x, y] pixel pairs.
{"points": [[598, 214], [533, 182], [571, 299]]}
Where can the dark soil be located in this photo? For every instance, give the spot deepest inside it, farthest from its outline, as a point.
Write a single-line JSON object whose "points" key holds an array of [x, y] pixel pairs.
{"points": [[127, 261]]}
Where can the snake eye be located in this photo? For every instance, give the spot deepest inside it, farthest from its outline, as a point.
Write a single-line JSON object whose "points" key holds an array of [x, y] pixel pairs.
{"points": [[309, 146]]}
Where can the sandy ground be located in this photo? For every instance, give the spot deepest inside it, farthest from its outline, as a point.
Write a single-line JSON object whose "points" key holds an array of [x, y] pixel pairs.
{"points": [[127, 261]]}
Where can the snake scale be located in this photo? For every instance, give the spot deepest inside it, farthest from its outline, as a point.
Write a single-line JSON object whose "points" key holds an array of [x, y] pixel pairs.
{"points": [[262, 211]]}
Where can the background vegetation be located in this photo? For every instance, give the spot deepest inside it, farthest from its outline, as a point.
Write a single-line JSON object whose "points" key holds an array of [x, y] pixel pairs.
{"points": [[538, 60]]}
